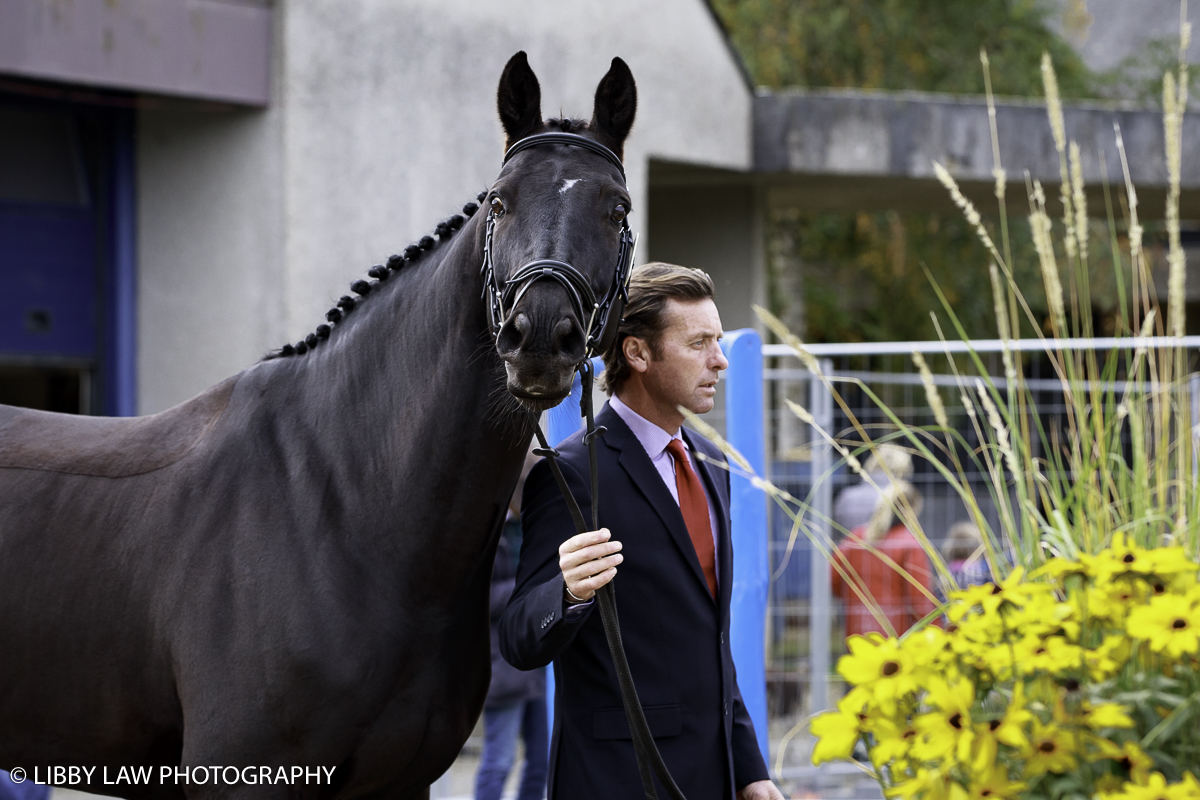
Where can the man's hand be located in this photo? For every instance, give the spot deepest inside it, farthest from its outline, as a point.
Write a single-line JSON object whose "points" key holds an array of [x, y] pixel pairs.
{"points": [[760, 790], [588, 561]]}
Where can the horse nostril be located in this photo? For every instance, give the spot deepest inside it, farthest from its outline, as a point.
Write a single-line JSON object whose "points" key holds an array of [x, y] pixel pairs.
{"points": [[568, 339], [513, 333]]}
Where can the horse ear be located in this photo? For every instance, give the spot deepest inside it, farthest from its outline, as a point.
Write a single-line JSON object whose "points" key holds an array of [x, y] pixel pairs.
{"points": [[519, 99], [616, 105]]}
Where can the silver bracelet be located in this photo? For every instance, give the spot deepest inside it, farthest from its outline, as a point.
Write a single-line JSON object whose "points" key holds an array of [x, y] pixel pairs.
{"points": [[572, 596]]}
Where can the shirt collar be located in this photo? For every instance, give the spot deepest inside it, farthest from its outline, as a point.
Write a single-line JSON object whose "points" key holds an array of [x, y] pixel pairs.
{"points": [[654, 440]]}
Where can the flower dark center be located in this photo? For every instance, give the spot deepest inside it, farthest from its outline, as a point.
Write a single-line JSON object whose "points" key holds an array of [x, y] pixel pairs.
{"points": [[985, 793], [1126, 763], [994, 724], [1179, 624], [1039, 651], [1159, 588], [996, 589], [890, 668], [1071, 685], [956, 721], [1129, 558], [1046, 747], [908, 734]]}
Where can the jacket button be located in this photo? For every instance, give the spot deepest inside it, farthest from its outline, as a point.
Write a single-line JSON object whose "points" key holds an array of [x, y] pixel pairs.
{"points": [[722, 637], [551, 617], [727, 709]]}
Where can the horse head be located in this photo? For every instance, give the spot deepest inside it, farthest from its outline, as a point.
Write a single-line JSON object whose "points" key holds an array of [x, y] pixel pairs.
{"points": [[558, 243]]}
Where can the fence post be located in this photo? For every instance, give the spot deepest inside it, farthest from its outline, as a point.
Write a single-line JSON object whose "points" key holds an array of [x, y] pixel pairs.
{"points": [[821, 407], [748, 512]]}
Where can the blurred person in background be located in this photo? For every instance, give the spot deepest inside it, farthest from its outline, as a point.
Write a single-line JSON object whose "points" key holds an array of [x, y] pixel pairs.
{"points": [[859, 556], [516, 700], [856, 504], [964, 554]]}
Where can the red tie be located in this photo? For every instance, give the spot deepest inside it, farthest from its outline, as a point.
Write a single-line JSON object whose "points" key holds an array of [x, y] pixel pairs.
{"points": [[694, 505]]}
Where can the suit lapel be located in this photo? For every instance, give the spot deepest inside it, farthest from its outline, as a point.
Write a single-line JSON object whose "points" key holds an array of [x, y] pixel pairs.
{"points": [[636, 463], [714, 483]]}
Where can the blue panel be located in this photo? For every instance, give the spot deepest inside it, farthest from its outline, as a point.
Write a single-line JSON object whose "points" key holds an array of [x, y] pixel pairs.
{"points": [[120, 345], [748, 508], [48, 298]]}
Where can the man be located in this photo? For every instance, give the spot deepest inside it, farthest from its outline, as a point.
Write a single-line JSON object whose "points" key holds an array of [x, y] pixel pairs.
{"points": [[670, 512]]}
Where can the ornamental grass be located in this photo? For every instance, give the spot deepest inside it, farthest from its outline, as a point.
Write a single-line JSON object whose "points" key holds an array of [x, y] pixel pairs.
{"points": [[1075, 674]]}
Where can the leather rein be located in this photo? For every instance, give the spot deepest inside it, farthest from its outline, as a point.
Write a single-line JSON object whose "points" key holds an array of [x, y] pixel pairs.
{"points": [[603, 315]]}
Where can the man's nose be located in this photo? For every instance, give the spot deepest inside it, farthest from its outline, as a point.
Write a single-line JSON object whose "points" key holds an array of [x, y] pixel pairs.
{"points": [[719, 361]]}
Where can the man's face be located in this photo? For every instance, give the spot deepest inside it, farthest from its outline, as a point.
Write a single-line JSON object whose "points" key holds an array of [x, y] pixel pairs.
{"points": [[686, 368]]}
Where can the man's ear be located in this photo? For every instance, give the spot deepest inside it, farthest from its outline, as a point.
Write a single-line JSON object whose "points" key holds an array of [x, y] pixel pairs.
{"points": [[519, 99], [637, 353]]}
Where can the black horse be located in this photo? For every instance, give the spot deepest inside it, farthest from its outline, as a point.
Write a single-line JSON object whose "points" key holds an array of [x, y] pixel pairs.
{"points": [[291, 569]]}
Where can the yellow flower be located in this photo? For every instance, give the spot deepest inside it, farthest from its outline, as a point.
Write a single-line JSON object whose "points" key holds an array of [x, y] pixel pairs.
{"points": [[1170, 622], [1052, 655], [995, 785], [928, 784], [1107, 658], [893, 742], [838, 731], [1156, 788], [1105, 715], [1188, 788], [947, 731], [1009, 730], [881, 667], [1136, 764], [1050, 750]]}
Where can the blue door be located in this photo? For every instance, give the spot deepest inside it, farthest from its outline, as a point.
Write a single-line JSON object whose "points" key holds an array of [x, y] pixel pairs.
{"points": [[58, 227]]}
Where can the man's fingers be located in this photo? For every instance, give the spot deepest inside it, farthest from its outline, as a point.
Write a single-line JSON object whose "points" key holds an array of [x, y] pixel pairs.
{"points": [[579, 557], [584, 571], [587, 587], [582, 540]]}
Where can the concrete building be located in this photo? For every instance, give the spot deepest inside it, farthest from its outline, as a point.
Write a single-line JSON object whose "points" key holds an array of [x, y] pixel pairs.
{"points": [[232, 166], [187, 184]]}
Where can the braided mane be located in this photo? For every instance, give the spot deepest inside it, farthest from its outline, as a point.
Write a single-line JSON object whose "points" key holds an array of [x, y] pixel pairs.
{"points": [[380, 272], [411, 254]]}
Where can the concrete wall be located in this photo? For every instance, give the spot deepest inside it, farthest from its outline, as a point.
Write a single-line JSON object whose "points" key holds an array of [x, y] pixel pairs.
{"points": [[717, 229], [382, 123], [211, 49]]}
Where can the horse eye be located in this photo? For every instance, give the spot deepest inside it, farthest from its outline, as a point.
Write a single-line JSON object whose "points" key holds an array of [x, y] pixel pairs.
{"points": [[497, 206], [619, 213]]}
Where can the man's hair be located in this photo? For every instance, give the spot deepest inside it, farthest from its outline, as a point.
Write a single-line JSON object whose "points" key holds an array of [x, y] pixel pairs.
{"points": [[650, 287]]}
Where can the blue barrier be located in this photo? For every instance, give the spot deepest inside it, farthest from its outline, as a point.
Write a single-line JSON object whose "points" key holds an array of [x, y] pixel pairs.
{"points": [[748, 510]]}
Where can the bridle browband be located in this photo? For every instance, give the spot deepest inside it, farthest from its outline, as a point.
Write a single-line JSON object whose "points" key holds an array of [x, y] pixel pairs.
{"points": [[603, 317], [599, 317]]}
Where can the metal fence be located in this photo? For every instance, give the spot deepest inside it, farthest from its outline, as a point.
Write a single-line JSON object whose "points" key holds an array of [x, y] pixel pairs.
{"points": [[805, 631]]}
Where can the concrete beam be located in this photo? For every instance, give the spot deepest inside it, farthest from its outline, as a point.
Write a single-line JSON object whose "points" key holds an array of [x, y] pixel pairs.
{"points": [[203, 49], [864, 150]]}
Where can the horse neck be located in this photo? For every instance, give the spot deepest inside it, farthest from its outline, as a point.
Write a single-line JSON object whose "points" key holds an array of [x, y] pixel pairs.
{"points": [[407, 388]]}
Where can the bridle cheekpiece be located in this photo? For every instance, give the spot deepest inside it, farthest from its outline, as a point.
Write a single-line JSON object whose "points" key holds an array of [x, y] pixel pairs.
{"points": [[600, 316]]}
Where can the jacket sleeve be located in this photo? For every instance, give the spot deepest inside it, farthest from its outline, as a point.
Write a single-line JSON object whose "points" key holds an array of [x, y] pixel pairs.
{"points": [[533, 628], [748, 764]]}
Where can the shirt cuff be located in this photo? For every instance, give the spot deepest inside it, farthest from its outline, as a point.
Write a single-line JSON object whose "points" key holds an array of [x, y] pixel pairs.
{"points": [[576, 610]]}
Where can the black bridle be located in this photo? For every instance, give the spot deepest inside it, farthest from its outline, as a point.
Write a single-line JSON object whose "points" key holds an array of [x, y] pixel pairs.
{"points": [[599, 317], [603, 317]]}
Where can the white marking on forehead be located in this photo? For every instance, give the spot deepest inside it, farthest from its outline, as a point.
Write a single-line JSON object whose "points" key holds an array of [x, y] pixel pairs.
{"points": [[567, 184]]}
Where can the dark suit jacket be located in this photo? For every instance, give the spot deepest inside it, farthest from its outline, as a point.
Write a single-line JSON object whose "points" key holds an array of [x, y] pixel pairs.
{"points": [[676, 636]]}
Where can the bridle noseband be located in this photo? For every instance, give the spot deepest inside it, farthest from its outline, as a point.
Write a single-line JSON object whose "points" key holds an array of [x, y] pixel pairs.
{"points": [[599, 316]]}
